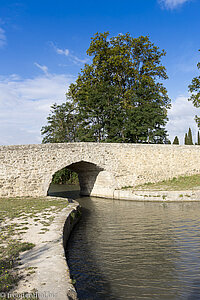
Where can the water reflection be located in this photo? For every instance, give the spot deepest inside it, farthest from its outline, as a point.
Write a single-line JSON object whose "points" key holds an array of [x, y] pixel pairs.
{"points": [[136, 250]]}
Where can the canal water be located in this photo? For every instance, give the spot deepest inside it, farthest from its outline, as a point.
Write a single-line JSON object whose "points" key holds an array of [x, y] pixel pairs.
{"points": [[135, 250]]}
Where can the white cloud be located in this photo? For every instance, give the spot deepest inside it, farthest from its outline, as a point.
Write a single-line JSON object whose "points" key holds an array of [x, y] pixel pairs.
{"points": [[172, 4], [2, 38], [43, 68], [181, 117], [25, 105], [62, 51], [76, 60]]}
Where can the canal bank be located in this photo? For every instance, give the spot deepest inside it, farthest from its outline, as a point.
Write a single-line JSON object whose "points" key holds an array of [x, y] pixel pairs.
{"points": [[181, 188], [161, 196], [43, 269]]}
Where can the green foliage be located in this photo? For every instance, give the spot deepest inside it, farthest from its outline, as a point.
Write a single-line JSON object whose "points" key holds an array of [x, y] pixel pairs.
{"points": [[61, 127], [61, 124], [176, 141], [127, 187], [65, 176], [194, 89], [116, 98], [189, 137], [186, 139]]}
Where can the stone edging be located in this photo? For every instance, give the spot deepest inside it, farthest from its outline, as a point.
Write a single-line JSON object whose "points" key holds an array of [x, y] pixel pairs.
{"points": [[178, 196], [51, 279]]}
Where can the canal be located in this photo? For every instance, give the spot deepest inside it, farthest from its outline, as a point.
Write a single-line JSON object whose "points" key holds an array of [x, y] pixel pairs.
{"points": [[135, 250]]}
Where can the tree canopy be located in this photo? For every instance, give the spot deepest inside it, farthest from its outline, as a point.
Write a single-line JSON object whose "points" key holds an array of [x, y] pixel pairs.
{"points": [[118, 97], [62, 122], [194, 89]]}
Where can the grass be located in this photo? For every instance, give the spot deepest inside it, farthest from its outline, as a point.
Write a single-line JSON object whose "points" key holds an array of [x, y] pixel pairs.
{"points": [[180, 183], [11, 244], [8, 259], [127, 187]]}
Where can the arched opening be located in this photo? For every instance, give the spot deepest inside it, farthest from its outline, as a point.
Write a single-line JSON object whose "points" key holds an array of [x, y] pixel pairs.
{"points": [[87, 175], [65, 183], [80, 176]]}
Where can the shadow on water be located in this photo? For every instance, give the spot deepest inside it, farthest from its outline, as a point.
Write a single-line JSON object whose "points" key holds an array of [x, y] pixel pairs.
{"points": [[84, 270], [90, 283], [64, 191]]}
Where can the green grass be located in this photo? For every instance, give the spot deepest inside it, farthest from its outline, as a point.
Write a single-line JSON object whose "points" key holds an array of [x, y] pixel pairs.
{"points": [[127, 187], [8, 258], [11, 244], [180, 183]]}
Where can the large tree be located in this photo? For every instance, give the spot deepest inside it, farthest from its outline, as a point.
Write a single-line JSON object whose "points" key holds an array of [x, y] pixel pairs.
{"points": [[120, 96], [194, 89]]}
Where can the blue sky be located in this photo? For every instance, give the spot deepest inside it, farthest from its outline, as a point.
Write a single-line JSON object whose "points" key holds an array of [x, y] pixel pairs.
{"points": [[43, 47]]}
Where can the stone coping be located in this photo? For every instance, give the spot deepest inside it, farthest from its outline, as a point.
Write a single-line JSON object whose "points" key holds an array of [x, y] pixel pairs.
{"points": [[89, 144]]}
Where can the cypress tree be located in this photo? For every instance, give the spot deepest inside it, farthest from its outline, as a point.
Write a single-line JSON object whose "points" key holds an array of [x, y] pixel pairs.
{"points": [[186, 139], [176, 141], [198, 139], [190, 142]]}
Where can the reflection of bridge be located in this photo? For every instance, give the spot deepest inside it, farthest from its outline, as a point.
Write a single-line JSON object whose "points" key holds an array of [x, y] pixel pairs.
{"points": [[102, 168]]}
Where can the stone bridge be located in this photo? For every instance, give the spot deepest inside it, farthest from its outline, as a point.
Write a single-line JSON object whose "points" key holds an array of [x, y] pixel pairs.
{"points": [[27, 170]]}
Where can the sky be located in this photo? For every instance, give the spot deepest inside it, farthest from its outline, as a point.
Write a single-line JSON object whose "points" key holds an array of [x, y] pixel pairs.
{"points": [[43, 46]]}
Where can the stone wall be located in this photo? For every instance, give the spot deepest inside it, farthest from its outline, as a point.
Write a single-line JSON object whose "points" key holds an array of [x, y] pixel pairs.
{"points": [[27, 170]]}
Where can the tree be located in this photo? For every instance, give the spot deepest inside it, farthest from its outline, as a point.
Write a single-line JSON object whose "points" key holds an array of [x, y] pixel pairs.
{"points": [[61, 127], [118, 96], [189, 137], [64, 176], [198, 139], [61, 124], [176, 141], [194, 89], [186, 139]]}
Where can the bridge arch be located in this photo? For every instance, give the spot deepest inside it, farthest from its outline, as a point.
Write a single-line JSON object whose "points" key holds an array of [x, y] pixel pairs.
{"points": [[93, 179]]}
